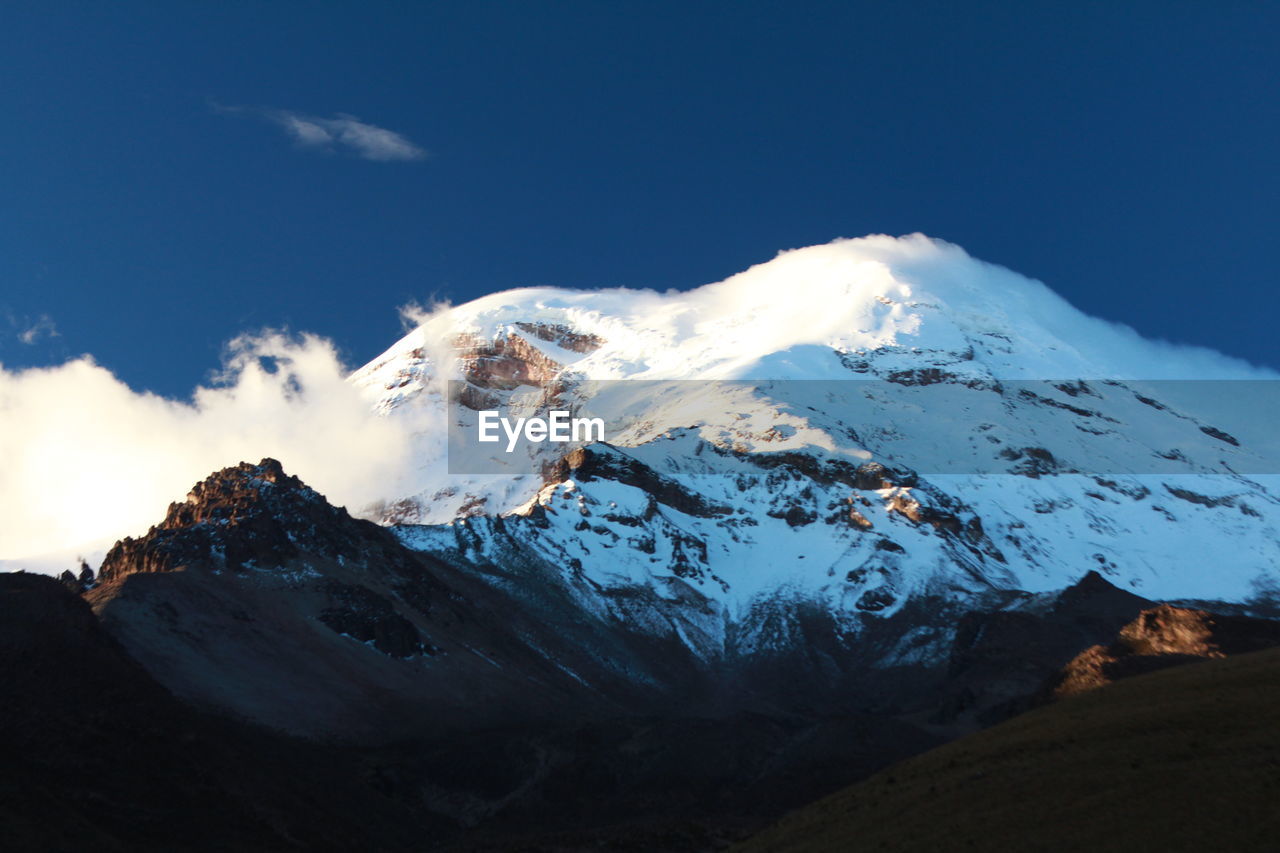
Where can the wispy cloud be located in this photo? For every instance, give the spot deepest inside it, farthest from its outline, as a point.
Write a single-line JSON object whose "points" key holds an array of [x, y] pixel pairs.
{"points": [[41, 328], [29, 331], [341, 133]]}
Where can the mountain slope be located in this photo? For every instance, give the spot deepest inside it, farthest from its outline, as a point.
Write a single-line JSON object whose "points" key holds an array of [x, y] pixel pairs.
{"points": [[1182, 759], [98, 756], [256, 596]]}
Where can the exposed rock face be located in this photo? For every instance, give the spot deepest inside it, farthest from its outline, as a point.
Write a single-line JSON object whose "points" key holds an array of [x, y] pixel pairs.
{"points": [[601, 462], [508, 361], [1160, 637], [504, 363], [564, 336]]}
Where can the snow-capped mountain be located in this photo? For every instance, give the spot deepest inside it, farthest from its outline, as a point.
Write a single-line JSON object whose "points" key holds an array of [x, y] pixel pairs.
{"points": [[874, 478], [847, 428]]}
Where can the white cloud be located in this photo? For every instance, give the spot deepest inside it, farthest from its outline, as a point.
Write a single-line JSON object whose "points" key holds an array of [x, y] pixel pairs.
{"points": [[341, 133], [88, 460], [27, 330], [42, 328]]}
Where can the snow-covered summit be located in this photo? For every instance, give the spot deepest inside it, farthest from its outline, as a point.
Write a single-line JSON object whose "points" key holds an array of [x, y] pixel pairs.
{"points": [[874, 293], [820, 495]]}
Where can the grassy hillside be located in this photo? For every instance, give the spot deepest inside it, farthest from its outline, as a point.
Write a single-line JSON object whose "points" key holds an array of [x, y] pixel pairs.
{"points": [[1182, 759]]}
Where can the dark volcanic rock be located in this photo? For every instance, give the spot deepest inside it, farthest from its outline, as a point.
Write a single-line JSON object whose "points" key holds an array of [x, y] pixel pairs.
{"points": [[368, 617]]}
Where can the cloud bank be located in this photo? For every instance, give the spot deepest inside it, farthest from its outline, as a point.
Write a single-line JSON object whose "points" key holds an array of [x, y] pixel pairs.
{"points": [[341, 133], [88, 460]]}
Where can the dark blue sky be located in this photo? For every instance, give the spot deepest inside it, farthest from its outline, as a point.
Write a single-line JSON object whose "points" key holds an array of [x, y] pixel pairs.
{"points": [[1125, 153]]}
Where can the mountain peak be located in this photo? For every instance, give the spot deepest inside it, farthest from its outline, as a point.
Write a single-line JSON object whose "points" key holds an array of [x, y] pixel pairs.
{"points": [[901, 352], [246, 516], [908, 299], [227, 495]]}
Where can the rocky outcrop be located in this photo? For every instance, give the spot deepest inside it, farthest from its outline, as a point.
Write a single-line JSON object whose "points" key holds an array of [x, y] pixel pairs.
{"points": [[1160, 637], [489, 367], [364, 615], [256, 518], [563, 336], [1001, 656], [504, 362], [508, 361], [78, 582], [244, 518], [602, 462]]}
